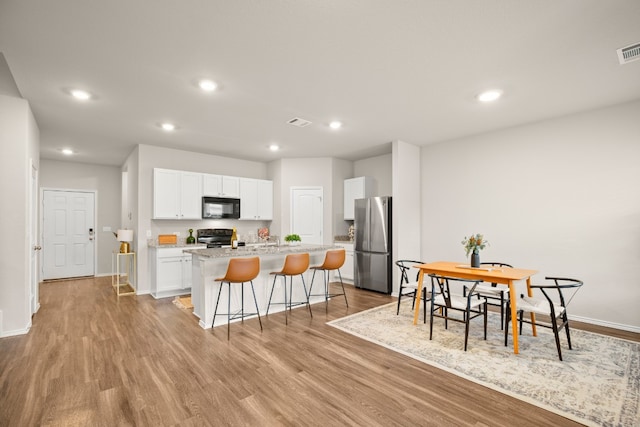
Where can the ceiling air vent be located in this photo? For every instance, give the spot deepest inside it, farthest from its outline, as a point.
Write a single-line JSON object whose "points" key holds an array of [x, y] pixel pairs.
{"points": [[297, 121], [629, 54]]}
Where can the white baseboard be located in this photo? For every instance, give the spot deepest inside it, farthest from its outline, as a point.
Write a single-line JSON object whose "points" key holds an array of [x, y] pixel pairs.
{"points": [[606, 324], [24, 331]]}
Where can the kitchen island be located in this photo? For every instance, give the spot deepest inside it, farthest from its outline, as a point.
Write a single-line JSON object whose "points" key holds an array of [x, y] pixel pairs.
{"points": [[209, 264]]}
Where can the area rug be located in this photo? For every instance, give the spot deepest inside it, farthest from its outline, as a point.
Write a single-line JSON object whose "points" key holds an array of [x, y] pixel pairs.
{"points": [[597, 384]]}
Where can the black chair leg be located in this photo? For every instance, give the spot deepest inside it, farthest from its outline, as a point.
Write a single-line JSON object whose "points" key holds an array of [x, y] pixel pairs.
{"points": [[501, 310], [431, 321], [507, 320], [566, 327], [325, 278], [424, 306], [241, 301], [286, 315], [255, 300], [485, 319], [215, 311], [466, 329], [399, 298], [229, 311], [556, 334], [520, 322], [342, 284], [271, 294], [304, 286]]}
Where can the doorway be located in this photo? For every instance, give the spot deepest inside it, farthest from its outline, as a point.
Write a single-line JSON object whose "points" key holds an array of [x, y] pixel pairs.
{"points": [[307, 214], [68, 234]]}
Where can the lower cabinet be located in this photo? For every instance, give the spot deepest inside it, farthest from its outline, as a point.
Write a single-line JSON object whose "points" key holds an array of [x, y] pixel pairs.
{"points": [[347, 269], [170, 271]]}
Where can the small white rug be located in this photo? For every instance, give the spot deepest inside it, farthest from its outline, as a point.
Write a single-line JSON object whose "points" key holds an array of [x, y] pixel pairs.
{"points": [[597, 384]]}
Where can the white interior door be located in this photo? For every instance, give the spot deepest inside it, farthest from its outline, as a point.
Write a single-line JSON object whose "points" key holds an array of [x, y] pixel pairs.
{"points": [[306, 214], [68, 234]]}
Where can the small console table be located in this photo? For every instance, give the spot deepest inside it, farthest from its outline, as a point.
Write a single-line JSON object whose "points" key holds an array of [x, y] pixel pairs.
{"points": [[123, 278]]}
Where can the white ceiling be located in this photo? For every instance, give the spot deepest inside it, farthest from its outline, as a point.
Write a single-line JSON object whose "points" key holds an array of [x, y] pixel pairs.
{"points": [[389, 70]]}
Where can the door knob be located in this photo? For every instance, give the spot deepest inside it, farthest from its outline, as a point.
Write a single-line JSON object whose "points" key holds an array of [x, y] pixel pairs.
{"points": [[37, 248]]}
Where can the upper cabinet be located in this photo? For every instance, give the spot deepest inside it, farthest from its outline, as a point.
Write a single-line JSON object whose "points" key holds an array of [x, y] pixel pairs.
{"points": [[177, 194], [221, 186], [356, 188], [256, 199]]}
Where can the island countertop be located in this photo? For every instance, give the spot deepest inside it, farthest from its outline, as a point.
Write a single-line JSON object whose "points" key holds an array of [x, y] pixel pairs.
{"points": [[244, 251]]}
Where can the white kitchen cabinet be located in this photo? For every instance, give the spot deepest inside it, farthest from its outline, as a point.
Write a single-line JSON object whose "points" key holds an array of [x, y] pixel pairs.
{"points": [[177, 194], [356, 188], [346, 271], [256, 199], [171, 271], [221, 186]]}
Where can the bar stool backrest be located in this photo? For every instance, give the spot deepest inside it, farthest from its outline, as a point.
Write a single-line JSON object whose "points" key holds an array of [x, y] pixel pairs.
{"points": [[241, 270], [333, 260], [295, 264]]}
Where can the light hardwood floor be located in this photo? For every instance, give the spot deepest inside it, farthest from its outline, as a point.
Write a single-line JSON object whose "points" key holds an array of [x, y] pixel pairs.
{"points": [[91, 360]]}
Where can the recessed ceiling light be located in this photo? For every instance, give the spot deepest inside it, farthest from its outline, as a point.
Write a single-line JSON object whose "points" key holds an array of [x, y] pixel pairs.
{"points": [[80, 94], [274, 147], [67, 151], [207, 85], [335, 125], [489, 96], [168, 126]]}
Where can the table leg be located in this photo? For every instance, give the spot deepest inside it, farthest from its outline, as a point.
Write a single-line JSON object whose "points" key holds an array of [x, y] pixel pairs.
{"points": [[416, 313], [514, 319], [533, 315]]}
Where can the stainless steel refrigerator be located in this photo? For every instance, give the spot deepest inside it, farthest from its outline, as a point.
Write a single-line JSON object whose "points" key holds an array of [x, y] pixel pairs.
{"points": [[373, 262]]}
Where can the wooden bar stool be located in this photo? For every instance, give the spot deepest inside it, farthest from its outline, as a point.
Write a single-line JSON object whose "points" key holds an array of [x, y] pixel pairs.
{"points": [[333, 260], [294, 265], [239, 270]]}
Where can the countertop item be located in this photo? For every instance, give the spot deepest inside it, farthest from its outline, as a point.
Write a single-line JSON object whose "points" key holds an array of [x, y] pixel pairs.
{"points": [[167, 239]]}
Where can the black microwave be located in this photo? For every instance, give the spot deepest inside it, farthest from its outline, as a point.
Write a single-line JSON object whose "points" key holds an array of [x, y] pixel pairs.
{"points": [[220, 207]]}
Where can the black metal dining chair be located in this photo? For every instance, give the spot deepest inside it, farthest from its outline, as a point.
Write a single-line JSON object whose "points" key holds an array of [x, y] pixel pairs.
{"points": [[410, 288], [553, 307], [494, 292], [445, 302]]}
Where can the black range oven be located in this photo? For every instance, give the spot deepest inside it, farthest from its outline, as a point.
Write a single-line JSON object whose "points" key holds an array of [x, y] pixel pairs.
{"points": [[214, 237]]}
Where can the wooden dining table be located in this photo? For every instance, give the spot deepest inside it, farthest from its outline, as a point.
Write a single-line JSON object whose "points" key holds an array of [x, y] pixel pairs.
{"points": [[502, 275]]}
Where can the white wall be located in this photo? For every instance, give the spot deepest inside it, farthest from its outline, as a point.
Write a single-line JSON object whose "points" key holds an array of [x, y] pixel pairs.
{"points": [[105, 180], [306, 172], [274, 173], [20, 142], [406, 205], [380, 169], [559, 196]]}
